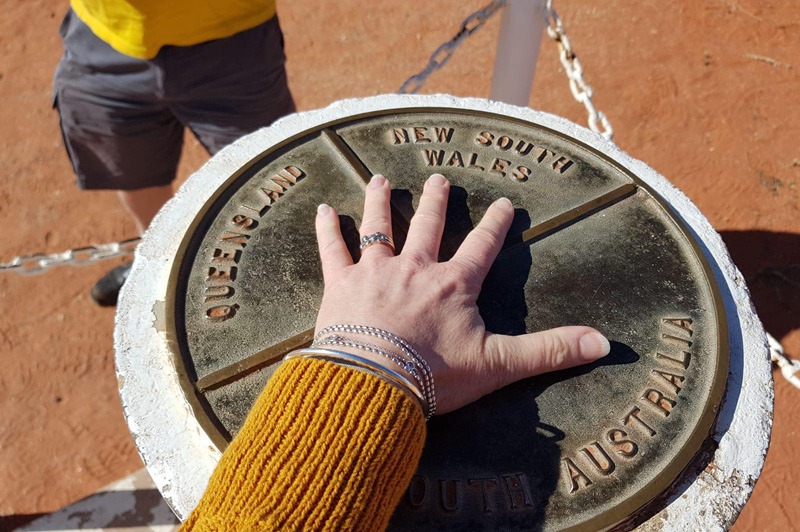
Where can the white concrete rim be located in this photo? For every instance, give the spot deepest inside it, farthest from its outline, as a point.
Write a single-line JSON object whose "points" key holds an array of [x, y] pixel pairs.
{"points": [[179, 455]]}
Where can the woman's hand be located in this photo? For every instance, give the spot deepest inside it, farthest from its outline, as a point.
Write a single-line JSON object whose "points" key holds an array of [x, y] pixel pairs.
{"points": [[431, 304]]}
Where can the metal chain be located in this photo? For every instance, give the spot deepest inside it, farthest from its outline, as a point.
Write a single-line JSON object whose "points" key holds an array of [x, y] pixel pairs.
{"points": [[442, 55], [33, 264], [581, 91], [789, 368]]}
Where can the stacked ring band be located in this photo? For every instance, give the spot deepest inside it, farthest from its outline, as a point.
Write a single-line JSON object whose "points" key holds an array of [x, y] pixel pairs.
{"points": [[376, 238]]}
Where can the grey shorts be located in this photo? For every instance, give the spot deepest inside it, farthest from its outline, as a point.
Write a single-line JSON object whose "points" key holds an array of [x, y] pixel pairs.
{"points": [[123, 118]]}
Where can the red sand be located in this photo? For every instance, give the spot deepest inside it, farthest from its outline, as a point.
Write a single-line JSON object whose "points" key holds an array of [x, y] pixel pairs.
{"points": [[705, 92]]}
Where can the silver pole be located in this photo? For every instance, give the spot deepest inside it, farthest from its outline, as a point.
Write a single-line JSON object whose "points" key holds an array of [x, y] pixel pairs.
{"points": [[517, 51]]}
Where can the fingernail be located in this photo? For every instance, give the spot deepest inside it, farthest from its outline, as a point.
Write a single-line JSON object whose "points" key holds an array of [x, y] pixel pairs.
{"points": [[594, 345], [504, 202], [377, 181], [437, 180], [323, 208]]}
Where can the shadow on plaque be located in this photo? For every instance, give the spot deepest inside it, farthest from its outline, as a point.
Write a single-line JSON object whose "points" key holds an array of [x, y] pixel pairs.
{"points": [[464, 480]]}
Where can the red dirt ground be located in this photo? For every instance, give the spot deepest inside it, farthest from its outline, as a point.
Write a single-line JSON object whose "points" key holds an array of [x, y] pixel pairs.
{"points": [[705, 92]]}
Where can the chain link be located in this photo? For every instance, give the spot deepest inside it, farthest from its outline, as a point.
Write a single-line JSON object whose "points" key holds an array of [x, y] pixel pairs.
{"points": [[581, 91], [442, 55], [789, 368], [33, 264]]}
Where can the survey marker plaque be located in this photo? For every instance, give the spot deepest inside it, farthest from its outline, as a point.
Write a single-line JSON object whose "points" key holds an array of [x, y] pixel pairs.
{"points": [[590, 244]]}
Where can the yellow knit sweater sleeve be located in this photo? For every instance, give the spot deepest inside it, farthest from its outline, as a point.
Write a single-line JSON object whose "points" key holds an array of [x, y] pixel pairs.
{"points": [[325, 447]]}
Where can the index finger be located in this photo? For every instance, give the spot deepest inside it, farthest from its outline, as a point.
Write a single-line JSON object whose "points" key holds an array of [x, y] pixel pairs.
{"points": [[480, 248]]}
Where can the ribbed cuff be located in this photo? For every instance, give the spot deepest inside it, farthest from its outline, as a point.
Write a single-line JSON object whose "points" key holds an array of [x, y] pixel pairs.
{"points": [[324, 447]]}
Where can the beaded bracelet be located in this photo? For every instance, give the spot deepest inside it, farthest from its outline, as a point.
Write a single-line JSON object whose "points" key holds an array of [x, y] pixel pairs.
{"points": [[344, 341]]}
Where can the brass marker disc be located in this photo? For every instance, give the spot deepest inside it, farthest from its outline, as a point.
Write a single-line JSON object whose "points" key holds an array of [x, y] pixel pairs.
{"points": [[590, 244]]}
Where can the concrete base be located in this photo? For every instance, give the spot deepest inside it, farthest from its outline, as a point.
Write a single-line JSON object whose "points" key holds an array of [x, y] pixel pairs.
{"points": [[180, 457]]}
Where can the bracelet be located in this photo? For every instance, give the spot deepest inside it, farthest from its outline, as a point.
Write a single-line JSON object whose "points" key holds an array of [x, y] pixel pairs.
{"points": [[414, 363], [336, 340], [343, 341], [426, 381], [361, 364]]}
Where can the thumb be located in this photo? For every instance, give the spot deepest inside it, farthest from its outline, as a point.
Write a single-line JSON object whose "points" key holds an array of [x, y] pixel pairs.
{"points": [[512, 358]]}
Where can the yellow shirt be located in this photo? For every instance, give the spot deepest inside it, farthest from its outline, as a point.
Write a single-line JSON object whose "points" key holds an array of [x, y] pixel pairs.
{"points": [[139, 28]]}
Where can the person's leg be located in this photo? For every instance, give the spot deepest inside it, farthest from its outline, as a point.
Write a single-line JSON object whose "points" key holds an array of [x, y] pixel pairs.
{"points": [[117, 132], [143, 204], [235, 85]]}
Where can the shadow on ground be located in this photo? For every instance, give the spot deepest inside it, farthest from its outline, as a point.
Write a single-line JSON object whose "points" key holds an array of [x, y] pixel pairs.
{"points": [[770, 263]]}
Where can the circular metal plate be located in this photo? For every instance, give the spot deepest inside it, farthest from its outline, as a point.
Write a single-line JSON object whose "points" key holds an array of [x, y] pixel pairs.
{"points": [[590, 244]]}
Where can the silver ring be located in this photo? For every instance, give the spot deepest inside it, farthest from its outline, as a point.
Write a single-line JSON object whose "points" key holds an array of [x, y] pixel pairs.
{"points": [[376, 238]]}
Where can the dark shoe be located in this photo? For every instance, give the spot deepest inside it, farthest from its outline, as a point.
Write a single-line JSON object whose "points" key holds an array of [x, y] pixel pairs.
{"points": [[106, 291]]}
